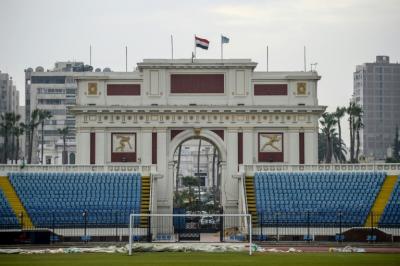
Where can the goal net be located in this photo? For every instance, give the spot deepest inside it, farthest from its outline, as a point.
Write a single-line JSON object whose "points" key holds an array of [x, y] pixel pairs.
{"points": [[190, 228]]}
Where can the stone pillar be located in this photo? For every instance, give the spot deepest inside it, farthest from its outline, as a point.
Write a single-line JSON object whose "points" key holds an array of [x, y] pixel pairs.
{"points": [[311, 147], [102, 152], [229, 185], [293, 147], [83, 147], [145, 146], [164, 185], [248, 146]]}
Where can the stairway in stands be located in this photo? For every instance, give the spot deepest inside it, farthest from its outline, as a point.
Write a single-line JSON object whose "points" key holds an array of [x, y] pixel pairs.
{"points": [[251, 199], [381, 201], [145, 200], [15, 202]]}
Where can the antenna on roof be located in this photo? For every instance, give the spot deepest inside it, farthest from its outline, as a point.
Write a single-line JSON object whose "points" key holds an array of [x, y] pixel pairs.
{"points": [[305, 61], [126, 58], [267, 59], [90, 55]]}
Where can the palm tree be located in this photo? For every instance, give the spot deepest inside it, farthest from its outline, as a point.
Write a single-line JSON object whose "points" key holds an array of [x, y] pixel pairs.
{"points": [[8, 122], [43, 115], [358, 126], [328, 122], [30, 131], [339, 151], [64, 132], [18, 132], [355, 124], [340, 112]]}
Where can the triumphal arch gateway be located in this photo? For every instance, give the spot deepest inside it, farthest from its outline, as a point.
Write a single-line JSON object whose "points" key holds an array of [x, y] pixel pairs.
{"points": [[141, 117]]}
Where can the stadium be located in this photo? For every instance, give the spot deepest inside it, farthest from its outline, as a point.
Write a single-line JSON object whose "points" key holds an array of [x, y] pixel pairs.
{"points": [[268, 186]]}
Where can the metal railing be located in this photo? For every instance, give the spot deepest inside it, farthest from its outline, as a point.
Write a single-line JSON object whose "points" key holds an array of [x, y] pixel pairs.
{"points": [[145, 170], [249, 170]]}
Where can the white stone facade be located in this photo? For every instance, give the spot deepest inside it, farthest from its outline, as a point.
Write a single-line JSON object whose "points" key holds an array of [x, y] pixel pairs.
{"points": [[234, 117]]}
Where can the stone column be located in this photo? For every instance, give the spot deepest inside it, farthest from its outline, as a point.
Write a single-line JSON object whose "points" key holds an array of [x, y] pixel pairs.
{"points": [[229, 185], [83, 146], [248, 146], [145, 146], [102, 152], [164, 186]]}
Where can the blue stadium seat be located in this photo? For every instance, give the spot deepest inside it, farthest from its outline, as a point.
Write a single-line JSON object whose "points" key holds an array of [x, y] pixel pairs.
{"points": [[8, 218], [316, 198], [61, 199], [391, 214]]}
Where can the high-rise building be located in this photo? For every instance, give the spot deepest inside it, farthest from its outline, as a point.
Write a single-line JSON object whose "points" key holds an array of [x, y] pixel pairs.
{"points": [[377, 91], [9, 96], [9, 103], [53, 90]]}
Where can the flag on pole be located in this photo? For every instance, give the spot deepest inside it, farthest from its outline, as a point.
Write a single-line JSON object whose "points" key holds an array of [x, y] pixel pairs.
{"points": [[201, 43], [224, 39]]}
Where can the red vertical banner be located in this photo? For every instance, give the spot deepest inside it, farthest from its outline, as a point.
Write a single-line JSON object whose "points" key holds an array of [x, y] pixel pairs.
{"points": [[92, 148], [154, 148], [301, 147], [240, 148]]}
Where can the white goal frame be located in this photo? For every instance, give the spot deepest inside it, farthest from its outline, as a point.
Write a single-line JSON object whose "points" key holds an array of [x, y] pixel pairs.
{"points": [[247, 223]]}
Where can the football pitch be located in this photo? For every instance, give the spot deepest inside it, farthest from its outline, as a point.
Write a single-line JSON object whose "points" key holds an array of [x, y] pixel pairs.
{"points": [[202, 259]]}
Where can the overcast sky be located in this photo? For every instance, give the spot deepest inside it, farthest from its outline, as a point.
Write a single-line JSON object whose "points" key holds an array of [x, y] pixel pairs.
{"points": [[339, 34]]}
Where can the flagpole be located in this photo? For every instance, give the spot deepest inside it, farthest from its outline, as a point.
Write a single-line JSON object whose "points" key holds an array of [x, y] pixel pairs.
{"points": [[305, 64], [172, 47], [267, 60], [126, 58], [195, 46], [222, 49]]}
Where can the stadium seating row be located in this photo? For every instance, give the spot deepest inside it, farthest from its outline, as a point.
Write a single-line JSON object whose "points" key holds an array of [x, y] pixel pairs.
{"points": [[8, 218], [62, 199], [316, 198]]}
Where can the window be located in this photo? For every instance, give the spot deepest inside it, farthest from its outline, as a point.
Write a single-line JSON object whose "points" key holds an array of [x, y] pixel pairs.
{"points": [[270, 89]]}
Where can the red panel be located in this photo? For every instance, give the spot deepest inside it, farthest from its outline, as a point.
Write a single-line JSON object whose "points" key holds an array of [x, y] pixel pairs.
{"points": [[92, 148], [301, 147], [154, 148], [123, 157], [219, 132], [123, 89], [270, 156], [270, 89], [175, 132], [240, 148], [197, 83]]}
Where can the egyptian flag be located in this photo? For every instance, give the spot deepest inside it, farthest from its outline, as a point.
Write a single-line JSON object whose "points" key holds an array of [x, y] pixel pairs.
{"points": [[202, 43]]}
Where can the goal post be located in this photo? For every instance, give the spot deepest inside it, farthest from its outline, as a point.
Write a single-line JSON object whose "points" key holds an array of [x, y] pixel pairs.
{"points": [[190, 228]]}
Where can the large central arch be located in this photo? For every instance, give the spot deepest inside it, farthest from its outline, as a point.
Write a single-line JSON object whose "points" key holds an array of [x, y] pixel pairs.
{"points": [[208, 135], [196, 134]]}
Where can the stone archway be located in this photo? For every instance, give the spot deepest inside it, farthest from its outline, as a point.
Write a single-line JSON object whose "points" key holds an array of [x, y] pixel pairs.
{"points": [[208, 136], [197, 133]]}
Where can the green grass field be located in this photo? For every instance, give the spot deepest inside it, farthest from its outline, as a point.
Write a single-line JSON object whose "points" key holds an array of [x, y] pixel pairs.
{"points": [[203, 259]]}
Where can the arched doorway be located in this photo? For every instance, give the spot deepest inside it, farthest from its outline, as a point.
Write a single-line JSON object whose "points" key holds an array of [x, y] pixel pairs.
{"points": [[211, 180], [196, 174]]}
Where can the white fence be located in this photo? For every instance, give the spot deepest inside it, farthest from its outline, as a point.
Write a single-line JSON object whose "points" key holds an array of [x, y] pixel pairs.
{"points": [[145, 170], [249, 170]]}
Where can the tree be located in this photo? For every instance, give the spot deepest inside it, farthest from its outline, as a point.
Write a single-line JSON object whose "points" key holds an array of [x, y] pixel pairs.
{"points": [[18, 131], [5, 129], [43, 115], [30, 131], [328, 121], [339, 114], [8, 122], [355, 124], [63, 132]]}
